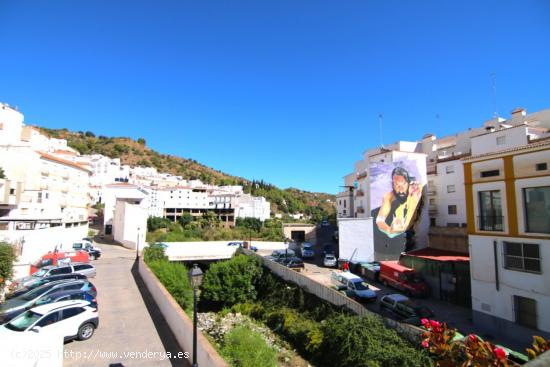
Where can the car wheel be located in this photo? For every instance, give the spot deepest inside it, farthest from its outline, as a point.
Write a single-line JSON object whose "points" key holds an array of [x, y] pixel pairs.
{"points": [[92, 257], [86, 331]]}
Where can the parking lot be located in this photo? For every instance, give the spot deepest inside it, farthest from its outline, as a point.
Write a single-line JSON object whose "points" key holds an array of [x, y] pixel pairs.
{"points": [[455, 316], [131, 330]]}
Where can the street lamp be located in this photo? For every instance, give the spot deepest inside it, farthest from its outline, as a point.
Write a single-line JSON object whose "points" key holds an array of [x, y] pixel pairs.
{"points": [[195, 278], [137, 245]]}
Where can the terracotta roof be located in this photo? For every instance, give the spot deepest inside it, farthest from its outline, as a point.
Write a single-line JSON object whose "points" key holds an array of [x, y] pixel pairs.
{"points": [[511, 150], [63, 161], [121, 184], [68, 152], [438, 255]]}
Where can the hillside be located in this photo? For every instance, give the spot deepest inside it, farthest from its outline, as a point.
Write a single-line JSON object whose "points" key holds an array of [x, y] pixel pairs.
{"points": [[136, 153]]}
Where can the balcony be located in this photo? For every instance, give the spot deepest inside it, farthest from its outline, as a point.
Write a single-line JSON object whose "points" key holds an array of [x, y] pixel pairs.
{"points": [[359, 193], [493, 223], [9, 192], [360, 210]]}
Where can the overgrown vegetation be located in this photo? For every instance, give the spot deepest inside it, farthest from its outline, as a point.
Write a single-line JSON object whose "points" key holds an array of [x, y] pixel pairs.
{"points": [[174, 276], [322, 333], [136, 153], [7, 258], [243, 347], [208, 228]]}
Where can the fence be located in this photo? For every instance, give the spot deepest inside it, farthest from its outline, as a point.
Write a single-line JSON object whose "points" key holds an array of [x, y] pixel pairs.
{"points": [[180, 324], [409, 332]]}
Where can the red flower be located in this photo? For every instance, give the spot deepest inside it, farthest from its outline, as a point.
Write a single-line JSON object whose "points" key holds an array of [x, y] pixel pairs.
{"points": [[425, 322], [499, 353], [473, 338], [425, 344], [434, 324]]}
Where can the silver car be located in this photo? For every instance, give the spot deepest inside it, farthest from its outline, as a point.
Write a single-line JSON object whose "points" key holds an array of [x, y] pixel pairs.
{"points": [[330, 261]]}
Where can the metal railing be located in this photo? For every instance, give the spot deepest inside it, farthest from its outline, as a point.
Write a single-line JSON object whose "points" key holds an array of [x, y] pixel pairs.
{"points": [[493, 223]]}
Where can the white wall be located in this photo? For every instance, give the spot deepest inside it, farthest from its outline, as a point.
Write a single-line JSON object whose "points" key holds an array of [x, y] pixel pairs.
{"points": [[485, 297], [129, 220], [487, 143], [443, 199], [11, 123], [356, 234]]}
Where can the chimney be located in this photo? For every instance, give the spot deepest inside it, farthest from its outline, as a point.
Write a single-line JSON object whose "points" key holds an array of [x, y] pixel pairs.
{"points": [[518, 116]]}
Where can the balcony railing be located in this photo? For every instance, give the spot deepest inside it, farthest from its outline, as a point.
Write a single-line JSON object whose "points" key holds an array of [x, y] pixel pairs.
{"points": [[492, 223]]}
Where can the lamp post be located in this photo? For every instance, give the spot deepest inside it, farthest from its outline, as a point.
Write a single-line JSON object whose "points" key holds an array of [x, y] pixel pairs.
{"points": [[137, 245], [195, 277]]}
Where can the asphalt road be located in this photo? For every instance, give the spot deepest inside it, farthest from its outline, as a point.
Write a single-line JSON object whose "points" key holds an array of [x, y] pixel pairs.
{"points": [[131, 330]]}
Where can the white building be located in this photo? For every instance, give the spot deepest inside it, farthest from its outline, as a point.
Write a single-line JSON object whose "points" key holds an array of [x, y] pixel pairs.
{"points": [[45, 202], [507, 190]]}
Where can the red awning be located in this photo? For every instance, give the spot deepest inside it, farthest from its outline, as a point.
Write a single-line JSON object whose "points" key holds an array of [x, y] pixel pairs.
{"points": [[438, 255]]}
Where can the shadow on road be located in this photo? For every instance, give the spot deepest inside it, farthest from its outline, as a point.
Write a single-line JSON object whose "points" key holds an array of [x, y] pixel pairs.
{"points": [[166, 336]]}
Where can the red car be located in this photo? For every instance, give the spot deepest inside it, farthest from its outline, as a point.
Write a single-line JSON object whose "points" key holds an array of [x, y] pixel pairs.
{"points": [[403, 278], [59, 257]]}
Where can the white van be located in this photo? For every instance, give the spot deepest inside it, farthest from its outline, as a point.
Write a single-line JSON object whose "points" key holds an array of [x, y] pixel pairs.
{"points": [[353, 285]]}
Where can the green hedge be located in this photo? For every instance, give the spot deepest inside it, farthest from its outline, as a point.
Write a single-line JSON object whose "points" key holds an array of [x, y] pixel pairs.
{"points": [[7, 258], [174, 276], [246, 348]]}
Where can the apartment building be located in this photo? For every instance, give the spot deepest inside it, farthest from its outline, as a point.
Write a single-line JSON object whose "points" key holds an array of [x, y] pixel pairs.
{"points": [[507, 190], [45, 197]]}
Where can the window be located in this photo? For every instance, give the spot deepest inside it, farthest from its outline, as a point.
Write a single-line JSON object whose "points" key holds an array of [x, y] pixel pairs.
{"points": [[526, 311], [70, 312], [491, 173], [451, 188], [537, 209], [453, 225], [501, 140], [522, 256], [490, 210], [432, 201], [432, 222], [449, 169], [82, 267], [49, 319], [12, 191], [63, 270], [451, 209], [344, 204], [541, 166]]}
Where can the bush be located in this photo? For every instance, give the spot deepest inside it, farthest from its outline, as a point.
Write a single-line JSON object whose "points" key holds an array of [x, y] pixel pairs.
{"points": [[174, 277], [365, 341], [229, 282], [7, 258], [246, 348], [153, 253]]}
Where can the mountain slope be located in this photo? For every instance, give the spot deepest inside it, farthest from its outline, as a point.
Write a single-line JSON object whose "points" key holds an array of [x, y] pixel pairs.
{"points": [[136, 153]]}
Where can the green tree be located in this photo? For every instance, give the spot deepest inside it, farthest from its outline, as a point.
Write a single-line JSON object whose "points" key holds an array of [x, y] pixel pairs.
{"points": [[250, 223], [7, 258], [210, 220], [233, 281], [185, 219], [154, 223], [154, 252], [89, 134], [141, 141], [2, 175]]}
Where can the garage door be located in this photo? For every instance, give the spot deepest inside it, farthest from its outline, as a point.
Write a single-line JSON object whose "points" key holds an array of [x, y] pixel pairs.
{"points": [[298, 236]]}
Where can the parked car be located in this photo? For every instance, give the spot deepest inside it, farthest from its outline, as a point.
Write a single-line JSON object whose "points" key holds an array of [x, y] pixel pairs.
{"points": [[402, 278], [325, 223], [37, 282], [307, 250], [241, 245], [93, 252], [353, 285], [59, 258], [14, 306], [277, 254], [335, 235], [294, 263], [82, 268], [405, 309], [330, 261], [71, 319]]}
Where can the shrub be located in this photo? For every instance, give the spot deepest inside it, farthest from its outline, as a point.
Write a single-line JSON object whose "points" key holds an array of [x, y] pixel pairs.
{"points": [[174, 277], [246, 348], [7, 258], [229, 282], [365, 341], [153, 253]]}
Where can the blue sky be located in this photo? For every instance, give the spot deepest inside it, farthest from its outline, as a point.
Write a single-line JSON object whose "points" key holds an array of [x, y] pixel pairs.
{"points": [[286, 91]]}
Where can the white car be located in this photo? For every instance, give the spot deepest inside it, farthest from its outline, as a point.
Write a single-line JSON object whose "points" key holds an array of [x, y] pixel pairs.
{"points": [[69, 319], [330, 261]]}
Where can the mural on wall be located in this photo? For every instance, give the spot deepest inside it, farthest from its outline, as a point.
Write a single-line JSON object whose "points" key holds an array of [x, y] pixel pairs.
{"points": [[397, 191]]}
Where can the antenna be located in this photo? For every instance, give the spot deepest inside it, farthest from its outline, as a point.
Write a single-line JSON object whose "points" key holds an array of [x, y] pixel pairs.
{"points": [[380, 121], [494, 85]]}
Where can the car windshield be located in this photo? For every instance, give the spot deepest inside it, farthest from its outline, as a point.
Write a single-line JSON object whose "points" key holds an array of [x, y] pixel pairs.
{"points": [[40, 273], [361, 286], [23, 321], [36, 292], [330, 258]]}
